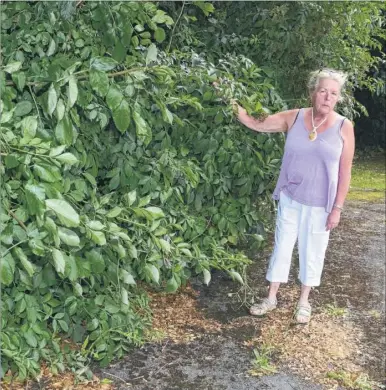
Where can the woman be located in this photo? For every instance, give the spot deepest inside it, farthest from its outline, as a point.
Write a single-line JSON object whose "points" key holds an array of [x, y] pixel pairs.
{"points": [[312, 186]]}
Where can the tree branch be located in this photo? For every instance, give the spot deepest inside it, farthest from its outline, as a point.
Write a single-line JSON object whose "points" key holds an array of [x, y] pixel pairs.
{"points": [[21, 223], [83, 77]]}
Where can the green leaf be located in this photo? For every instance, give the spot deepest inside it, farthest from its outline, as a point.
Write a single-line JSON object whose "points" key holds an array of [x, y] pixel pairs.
{"points": [[90, 178], [99, 82], [71, 271], [236, 276], [161, 17], [171, 285], [65, 212], [35, 195], [131, 197], [51, 48], [72, 91], [67, 158], [206, 8], [51, 227], [5, 117], [111, 307], [19, 79], [186, 252], [152, 272], [63, 131], [52, 99], [124, 296], [119, 52], [60, 110], [78, 290], [59, 261], [121, 116], [12, 67], [69, 237], [144, 201], [207, 276], [57, 150], [11, 161], [92, 325], [164, 245], [7, 269], [7, 235], [98, 237], [31, 338], [156, 212], [142, 128], [114, 212], [133, 251], [29, 125], [27, 265], [96, 261], [159, 35], [47, 173], [95, 225], [151, 55], [114, 98], [126, 277], [23, 108], [63, 325], [103, 63]]}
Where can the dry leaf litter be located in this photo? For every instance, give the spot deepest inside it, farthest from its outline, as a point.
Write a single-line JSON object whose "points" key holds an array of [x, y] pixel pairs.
{"points": [[326, 344]]}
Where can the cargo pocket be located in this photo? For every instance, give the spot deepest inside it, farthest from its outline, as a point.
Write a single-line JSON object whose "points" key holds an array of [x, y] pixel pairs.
{"points": [[319, 221]]}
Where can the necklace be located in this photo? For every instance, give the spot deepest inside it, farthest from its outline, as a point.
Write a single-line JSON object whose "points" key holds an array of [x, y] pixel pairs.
{"points": [[313, 134]]}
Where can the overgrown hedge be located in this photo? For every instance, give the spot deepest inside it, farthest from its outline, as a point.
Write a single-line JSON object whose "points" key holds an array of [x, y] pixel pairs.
{"points": [[119, 165]]}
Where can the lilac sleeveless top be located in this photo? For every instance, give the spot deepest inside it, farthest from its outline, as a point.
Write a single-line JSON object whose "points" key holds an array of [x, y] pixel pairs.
{"points": [[310, 169]]}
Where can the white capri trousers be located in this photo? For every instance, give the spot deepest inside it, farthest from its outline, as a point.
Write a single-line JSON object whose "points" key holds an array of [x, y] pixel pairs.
{"points": [[308, 225]]}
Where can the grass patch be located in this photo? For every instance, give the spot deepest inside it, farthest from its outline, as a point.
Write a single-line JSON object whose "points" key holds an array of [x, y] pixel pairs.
{"points": [[368, 178], [357, 381], [334, 311], [262, 362]]}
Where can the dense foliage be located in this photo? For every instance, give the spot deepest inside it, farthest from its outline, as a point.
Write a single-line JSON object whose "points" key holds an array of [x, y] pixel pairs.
{"points": [[120, 166], [289, 39]]}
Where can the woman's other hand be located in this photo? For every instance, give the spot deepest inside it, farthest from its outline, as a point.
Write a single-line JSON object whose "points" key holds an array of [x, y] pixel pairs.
{"points": [[333, 219]]}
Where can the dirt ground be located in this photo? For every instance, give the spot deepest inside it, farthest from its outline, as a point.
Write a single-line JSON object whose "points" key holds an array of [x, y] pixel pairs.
{"points": [[210, 337]]}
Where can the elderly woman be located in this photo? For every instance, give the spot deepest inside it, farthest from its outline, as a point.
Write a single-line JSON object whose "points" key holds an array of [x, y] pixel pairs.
{"points": [[312, 186]]}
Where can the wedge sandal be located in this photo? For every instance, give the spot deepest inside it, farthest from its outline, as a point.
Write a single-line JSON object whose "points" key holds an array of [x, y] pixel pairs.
{"points": [[263, 307], [302, 311]]}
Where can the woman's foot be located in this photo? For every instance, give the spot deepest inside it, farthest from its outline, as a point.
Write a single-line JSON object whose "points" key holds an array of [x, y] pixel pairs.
{"points": [[262, 308], [303, 313]]}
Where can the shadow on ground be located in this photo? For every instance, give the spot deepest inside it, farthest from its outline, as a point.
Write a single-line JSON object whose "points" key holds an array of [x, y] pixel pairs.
{"points": [[354, 278]]}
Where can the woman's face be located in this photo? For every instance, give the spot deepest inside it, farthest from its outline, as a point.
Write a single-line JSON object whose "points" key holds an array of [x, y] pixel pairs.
{"points": [[326, 96]]}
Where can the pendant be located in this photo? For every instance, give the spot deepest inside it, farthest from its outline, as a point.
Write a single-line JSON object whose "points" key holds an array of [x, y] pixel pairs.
{"points": [[313, 135]]}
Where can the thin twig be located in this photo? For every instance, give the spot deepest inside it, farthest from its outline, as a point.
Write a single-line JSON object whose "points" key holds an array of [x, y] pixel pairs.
{"points": [[174, 27], [21, 223], [117, 377], [37, 108], [13, 246]]}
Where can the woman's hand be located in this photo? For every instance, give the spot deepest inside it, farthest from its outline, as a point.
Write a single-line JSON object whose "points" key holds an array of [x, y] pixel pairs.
{"points": [[237, 109], [333, 219]]}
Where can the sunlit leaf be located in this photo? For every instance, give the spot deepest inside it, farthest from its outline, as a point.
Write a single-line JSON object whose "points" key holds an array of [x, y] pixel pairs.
{"points": [[52, 99], [65, 212], [72, 91], [69, 237]]}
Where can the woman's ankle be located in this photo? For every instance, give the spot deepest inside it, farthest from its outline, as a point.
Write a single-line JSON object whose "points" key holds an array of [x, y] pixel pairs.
{"points": [[272, 298]]}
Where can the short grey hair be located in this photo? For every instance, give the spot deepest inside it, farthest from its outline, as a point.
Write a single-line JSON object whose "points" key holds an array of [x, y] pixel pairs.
{"points": [[326, 73]]}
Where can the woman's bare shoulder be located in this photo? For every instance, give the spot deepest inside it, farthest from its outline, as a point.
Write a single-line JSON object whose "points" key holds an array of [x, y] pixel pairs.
{"points": [[291, 116]]}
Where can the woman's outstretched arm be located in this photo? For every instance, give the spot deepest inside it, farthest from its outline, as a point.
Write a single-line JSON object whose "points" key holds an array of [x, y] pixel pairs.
{"points": [[275, 123]]}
